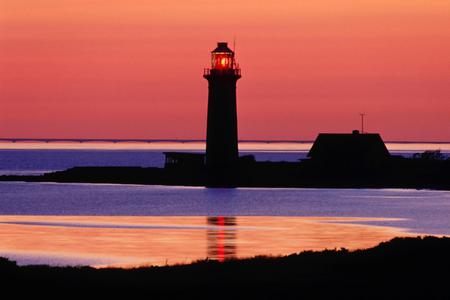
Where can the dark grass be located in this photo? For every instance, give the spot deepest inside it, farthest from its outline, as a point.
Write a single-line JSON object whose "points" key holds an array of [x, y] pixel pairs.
{"points": [[403, 268]]}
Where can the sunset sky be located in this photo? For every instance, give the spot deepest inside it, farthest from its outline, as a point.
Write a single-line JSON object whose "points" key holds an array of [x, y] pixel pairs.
{"points": [[133, 68]]}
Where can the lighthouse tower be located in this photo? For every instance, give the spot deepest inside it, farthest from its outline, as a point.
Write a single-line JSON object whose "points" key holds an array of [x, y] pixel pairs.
{"points": [[222, 135]]}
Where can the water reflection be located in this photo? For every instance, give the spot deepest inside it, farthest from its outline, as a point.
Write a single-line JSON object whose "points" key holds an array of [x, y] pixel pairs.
{"points": [[221, 237], [129, 241]]}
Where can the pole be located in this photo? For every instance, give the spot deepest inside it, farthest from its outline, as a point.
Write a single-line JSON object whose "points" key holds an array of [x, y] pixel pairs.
{"points": [[362, 121]]}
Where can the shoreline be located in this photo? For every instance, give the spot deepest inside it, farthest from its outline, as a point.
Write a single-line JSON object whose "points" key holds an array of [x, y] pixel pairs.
{"points": [[429, 170], [318, 187], [163, 177], [2, 180]]}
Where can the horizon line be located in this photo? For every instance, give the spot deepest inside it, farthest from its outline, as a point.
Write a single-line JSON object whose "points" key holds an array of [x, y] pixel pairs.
{"points": [[143, 140]]}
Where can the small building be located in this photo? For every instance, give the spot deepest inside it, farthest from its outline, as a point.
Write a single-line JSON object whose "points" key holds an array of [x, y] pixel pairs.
{"points": [[184, 160], [350, 149]]}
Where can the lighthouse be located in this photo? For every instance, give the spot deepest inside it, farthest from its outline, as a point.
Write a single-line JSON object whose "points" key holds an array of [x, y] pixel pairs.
{"points": [[222, 134]]}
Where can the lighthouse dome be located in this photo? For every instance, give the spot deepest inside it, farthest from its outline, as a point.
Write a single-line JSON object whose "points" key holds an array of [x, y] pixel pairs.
{"points": [[222, 47]]}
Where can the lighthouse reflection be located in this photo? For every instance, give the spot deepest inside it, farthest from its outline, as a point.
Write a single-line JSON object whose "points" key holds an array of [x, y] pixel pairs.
{"points": [[221, 236]]}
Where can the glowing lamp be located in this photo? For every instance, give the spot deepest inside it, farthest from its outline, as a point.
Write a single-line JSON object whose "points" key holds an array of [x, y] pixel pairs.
{"points": [[222, 57]]}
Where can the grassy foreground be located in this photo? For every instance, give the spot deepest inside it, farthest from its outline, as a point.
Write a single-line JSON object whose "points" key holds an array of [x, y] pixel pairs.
{"points": [[403, 268]]}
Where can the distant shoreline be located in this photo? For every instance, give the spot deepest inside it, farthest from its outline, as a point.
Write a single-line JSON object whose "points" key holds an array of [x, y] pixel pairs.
{"points": [[142, 140], [199, 145]]}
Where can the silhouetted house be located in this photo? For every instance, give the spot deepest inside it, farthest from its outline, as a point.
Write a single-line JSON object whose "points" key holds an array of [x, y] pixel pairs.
{"points": [[184, 160], [349, 149]]}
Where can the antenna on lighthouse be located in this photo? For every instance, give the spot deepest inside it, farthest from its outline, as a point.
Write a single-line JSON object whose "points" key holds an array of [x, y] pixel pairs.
{"points": [[362, 121], [234, 51]]}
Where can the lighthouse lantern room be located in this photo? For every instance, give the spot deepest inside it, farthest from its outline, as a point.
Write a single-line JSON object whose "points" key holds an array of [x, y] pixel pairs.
{"points": [[222, 57]]}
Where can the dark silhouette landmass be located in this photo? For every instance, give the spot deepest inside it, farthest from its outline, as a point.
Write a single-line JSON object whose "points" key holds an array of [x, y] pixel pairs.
{"points": [[403, 268], [335, 161], [419, 172]]}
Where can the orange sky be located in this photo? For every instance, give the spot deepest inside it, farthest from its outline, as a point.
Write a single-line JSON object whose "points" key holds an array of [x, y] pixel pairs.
{"points": [[133, 69]]}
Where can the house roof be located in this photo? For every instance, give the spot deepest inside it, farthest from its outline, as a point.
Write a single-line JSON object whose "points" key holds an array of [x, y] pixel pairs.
{"points": [[348, 146]]}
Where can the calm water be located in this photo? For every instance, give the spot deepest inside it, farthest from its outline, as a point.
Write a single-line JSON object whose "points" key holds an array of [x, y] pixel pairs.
{"points": [[129, 225], [423, 211]]}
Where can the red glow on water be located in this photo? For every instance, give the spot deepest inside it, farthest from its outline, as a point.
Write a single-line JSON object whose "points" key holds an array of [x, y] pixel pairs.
{"points": [[220, 239], [125, 240]]}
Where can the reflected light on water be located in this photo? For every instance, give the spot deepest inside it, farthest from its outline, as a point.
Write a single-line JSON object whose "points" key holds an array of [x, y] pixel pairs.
{"points": [[136, 241], [221, 238]]}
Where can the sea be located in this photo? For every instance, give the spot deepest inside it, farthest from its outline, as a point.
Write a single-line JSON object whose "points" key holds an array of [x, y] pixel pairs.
{"points": [[113, 225]]}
